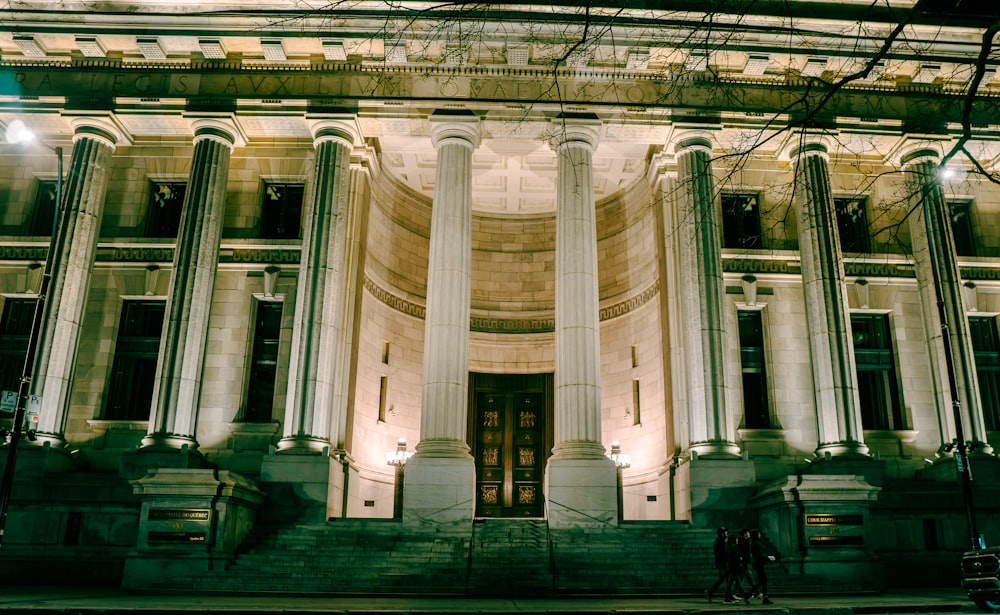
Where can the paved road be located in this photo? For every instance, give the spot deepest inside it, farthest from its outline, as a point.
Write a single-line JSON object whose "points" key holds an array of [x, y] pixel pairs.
{"points": [[91, 601]]}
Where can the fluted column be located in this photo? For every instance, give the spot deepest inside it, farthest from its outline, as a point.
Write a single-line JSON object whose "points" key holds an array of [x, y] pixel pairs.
{"points": [[831, 346], [937, 272], [80, 215], [578, 473], [702, 293], [177, 387], [439, 480], [319, 297], [577, 326]]}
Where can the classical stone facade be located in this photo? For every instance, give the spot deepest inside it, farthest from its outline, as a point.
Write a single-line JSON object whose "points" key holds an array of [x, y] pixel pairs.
{"points": [[289, 245]]}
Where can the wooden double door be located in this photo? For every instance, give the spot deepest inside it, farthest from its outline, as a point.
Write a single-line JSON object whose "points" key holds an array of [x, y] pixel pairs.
{"points": [[511, 438]]}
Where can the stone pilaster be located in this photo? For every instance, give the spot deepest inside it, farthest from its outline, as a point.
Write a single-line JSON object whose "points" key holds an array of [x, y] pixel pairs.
{"points": [[702, 293], [831, 347], [580, 479], [80, 215], [177, 387], [937, 271], [319, 301], [440, 477]]}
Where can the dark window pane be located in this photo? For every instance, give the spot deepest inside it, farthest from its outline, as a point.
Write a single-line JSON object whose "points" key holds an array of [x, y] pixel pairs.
{"points": [[961, 227], [163, 214], [281, 211], [852, 225], [756, 409], [44, 214], [741, 221], [15, 329], [986, 346], [130, 390], [263, 362], [878, 390]]}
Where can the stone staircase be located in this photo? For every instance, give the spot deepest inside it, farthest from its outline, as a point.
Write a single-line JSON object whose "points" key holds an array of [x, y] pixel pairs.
{"points": [[490, 557]]}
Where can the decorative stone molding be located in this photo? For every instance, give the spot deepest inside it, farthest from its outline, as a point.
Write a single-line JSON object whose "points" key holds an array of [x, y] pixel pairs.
{"points": [[495, 324]]}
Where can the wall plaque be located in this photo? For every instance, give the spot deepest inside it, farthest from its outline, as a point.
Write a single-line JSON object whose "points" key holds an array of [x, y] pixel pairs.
{"points": [[176, 537], [834, 520], [835, 540], [179, 514]]}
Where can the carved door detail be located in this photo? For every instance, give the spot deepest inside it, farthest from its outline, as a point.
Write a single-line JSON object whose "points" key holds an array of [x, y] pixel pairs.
{"points": [[511, 444]]}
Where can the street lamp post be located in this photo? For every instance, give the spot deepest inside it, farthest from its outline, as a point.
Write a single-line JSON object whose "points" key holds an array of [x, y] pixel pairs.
{"points": [[621, 461], [398, 459], [16, 132]]}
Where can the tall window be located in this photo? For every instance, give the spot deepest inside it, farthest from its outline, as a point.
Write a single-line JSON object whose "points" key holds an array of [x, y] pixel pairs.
{"points": [[986, 346], [852, 224], [166, 202], [878, 388], [756, 410], [44, 213], [741, 221], [263, 362], [130, 390], [961, 227], [15, 328], [281, 211]]}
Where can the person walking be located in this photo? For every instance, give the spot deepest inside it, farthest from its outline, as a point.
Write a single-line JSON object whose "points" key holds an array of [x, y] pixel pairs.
{"points": [[735, 569], [758, 560], [719, 555], [746, 578]]}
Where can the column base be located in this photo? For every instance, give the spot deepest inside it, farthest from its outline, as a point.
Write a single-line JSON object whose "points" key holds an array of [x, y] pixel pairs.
{"points": [[714, 492], [580, 492], [140, 462], [301, 488], [35, 460], [439, 490], [873, 470]]}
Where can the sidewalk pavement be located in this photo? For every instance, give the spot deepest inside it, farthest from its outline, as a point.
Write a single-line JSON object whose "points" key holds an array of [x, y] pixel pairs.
{"points": [[94, 600]]}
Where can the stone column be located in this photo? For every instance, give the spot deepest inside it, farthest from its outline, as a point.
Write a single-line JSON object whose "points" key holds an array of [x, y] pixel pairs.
{"points": [[580, 479], [177, 387], [80, 215], [937, 269], [831, 346], [303, 475], [702, 293], [318, 301], [440, 477]]}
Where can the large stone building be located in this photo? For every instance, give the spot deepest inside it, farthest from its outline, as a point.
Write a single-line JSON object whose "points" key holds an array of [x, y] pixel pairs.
{"points": [[508, 241]]}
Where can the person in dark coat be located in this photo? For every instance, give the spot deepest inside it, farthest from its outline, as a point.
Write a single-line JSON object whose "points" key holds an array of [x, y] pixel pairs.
{"points": [[758, 559], [719, 554], [746, 578], [735, 569]]}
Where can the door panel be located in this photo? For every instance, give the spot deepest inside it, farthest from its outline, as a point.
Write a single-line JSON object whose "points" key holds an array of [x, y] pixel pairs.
{"points": [[511, 443]]}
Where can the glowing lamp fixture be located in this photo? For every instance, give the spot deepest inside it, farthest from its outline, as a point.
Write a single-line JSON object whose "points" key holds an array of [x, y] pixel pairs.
{"points": [[620, 459], [399, 456], [17, 132]]}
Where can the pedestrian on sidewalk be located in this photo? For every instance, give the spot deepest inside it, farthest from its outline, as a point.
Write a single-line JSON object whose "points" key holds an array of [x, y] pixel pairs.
{"points": [[744, 539], [719, 555], [735, 569], [759, 558]]}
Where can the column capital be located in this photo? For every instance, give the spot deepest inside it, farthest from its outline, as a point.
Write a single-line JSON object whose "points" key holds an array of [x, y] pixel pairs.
{"points": [[692, 140], [575, 130], [342, 128], [101, 128], [800, 144], [911, 150], [445, 127], [221, 129]]}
